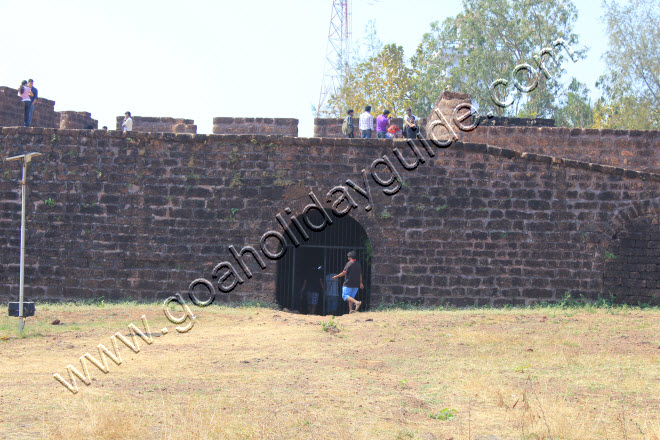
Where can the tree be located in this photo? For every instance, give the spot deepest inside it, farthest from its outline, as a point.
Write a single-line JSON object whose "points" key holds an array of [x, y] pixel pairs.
{"points": [[576, 111], [383, 81], [486, 42], [631, 85]]}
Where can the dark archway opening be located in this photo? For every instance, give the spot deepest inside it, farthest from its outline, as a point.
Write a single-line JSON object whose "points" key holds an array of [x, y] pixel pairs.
{"points": [[304, 274]]}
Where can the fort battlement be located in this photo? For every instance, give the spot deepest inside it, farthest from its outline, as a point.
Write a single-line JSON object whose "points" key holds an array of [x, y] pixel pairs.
{"points": [[11, 113], [147, 124], [282, 126]]}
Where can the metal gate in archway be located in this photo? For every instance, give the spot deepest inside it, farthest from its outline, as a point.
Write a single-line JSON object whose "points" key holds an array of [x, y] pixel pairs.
{"points": [[308, 269]]}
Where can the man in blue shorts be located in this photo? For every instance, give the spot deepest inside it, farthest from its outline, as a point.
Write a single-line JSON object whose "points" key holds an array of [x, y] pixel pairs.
{"points": [[353, 273]]}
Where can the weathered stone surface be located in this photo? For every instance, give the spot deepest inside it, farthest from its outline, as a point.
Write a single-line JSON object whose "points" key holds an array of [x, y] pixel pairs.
{"points": [[624, 149], [263, 126], [151, 124], [141, 216], [77, 120], [45, 116], [442, 115], [632, 261]]}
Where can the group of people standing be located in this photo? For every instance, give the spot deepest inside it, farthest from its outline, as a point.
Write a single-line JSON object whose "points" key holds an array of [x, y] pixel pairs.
{"points": [[315, 288], [29, 95], [384, 127]]}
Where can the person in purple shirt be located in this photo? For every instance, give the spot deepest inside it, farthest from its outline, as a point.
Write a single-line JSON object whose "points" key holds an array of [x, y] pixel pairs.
{"points": [[382, 122]]}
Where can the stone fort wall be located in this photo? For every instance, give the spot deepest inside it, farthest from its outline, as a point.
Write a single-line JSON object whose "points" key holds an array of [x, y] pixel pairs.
{"points": [[140, 217]]}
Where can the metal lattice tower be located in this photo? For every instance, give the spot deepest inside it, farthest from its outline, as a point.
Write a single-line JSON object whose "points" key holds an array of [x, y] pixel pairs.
{"points": [[337, 53]]}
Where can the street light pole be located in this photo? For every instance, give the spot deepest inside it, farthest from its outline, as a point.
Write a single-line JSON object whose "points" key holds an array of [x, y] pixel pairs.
{"points": [[26, 158]]}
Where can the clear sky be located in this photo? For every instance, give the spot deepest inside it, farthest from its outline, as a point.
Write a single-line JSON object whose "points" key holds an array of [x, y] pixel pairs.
{"points": [[199, 59]]}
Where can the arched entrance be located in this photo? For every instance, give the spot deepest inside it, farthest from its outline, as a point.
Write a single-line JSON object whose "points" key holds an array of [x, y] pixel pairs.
{"points": [[308, 268]]}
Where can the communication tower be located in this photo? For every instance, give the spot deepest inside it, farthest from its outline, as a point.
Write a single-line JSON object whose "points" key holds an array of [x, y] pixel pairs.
{"points": [[337, 51]]}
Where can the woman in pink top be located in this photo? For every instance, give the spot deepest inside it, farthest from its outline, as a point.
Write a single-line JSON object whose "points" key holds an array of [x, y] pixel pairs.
{"points": [[25, 93]]}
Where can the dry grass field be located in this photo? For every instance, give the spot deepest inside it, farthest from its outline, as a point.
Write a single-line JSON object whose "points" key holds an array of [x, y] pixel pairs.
{"points": [[260, 373]]}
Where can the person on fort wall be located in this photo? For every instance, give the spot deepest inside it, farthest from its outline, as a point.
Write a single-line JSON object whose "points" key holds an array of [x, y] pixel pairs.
{"points": [[382, 122], [353, 273], [410, 127], [347, 127], [366, 123], [127, 124], [26, 96], [33, 98]]}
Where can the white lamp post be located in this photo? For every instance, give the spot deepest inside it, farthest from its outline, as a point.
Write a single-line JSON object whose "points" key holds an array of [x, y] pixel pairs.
{"points": [[26, 158]]}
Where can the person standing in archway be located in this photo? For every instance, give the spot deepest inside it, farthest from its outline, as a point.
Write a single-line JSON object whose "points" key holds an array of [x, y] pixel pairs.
{"points": [[311, 291], [353, 273]]}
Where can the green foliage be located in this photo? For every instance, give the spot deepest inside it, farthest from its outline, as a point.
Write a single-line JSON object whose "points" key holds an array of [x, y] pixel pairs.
{"points": [[255, 304], [466, 53], [631, 85], [625, 113], [444, 414], [281, 181], [610, 256], [49, 202], [401, 305], [485, 42], [232, 216], [330, 325], [368, 251], [234, 157], [383, 81], [235, 180], [568, 302], [521, 368], [384, 214], [576, 111]]}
